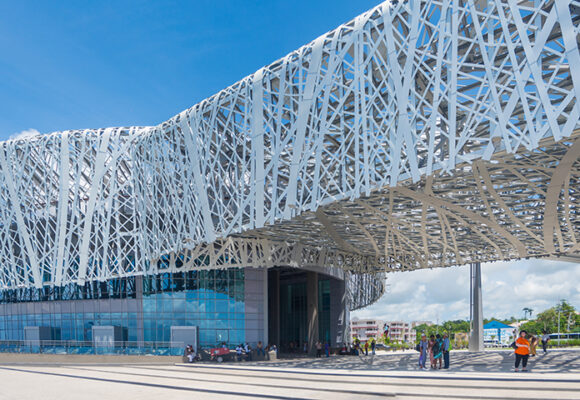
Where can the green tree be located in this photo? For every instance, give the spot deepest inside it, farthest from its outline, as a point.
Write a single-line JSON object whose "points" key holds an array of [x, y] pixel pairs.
{"points": [[451, 327], [547, 320]]}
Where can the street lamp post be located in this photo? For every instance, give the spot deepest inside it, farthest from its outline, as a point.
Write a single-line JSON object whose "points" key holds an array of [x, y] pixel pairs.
{"points": [[559, 310]]}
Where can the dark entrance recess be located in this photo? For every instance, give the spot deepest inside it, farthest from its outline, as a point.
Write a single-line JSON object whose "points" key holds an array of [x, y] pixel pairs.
{"points": [[300, 308]]}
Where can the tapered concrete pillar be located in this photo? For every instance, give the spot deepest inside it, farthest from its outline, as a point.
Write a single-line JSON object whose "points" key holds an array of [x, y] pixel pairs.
{"points": [[476, 312], [339, 315], [312, 309]]}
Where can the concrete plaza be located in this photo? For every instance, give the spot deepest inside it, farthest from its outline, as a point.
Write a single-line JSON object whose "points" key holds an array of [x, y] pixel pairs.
{"points": [[472, 376]]}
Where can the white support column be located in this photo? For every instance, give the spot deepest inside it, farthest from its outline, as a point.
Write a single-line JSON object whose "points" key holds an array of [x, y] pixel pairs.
{"points": [[476, 310]]}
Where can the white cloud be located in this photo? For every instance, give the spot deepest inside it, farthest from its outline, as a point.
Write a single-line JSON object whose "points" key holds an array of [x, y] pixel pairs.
{"points": [[27, 133], [443, 293]]}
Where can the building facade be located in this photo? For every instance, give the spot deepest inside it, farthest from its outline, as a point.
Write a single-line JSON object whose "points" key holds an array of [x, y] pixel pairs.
{"points": [[364, 329], [231, 306], [400, 331], [496, 333]]}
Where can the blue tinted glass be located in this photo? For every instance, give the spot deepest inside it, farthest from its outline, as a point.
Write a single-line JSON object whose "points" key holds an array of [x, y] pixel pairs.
{"points": [[148, 304], [179, 305], [221, 306], [167, 303], [222, 335], [211, 300], [239, 323], [222, 323]]}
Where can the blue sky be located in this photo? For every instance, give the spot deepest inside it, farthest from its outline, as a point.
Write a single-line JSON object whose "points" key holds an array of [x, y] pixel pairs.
{"points": [[93, 64]]}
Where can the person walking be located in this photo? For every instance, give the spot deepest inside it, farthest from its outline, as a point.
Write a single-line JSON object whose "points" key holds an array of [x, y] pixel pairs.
{"points": [[446, 348], [373, 345], [367, 348], [522, 351], [326, 349], [422, 348], [545, 339], [318, 349]]}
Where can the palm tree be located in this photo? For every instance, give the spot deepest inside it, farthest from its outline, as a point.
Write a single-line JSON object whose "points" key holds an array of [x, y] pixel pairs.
{"points": [[527, 311]]}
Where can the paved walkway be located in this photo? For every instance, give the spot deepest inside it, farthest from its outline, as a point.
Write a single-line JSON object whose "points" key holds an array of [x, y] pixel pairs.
{"points": [[473, 376], [490, 361]]}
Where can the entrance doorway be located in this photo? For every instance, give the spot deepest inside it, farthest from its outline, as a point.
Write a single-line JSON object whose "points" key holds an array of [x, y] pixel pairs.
{"points": [[288, 308]]}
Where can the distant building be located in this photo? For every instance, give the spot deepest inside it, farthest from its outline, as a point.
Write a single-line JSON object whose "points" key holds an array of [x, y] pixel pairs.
{"points": [[496, 333], [417, 323], [403, 331], [364, 329]]}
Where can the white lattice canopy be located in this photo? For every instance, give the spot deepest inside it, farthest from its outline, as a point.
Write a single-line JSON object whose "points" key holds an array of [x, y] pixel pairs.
{"points": [[420, 134]]}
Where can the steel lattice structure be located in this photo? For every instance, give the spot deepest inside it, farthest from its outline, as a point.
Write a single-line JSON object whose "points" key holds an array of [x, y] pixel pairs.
{"points": [[420, 134]]}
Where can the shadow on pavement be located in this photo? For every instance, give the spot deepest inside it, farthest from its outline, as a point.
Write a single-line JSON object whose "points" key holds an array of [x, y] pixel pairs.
{"points": [[489, 361]]}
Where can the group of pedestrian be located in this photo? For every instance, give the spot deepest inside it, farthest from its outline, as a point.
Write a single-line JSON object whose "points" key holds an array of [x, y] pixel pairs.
{"points": [[320, 346], [244, 351], [525, 347], [436, 348], [370, 344], [359, 347], [295, 347]]}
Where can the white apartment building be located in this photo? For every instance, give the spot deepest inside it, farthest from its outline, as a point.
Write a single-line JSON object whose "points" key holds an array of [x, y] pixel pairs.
{"points": [[403, 331], [364, 329]]}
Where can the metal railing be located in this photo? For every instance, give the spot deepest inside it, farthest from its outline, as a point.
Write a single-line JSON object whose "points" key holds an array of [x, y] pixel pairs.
{"points": [[92, 348]]}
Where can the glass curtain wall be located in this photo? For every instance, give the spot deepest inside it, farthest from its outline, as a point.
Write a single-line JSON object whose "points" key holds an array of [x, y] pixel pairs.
{"points": [[324, 311], [212, 300], [293, 316]]}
